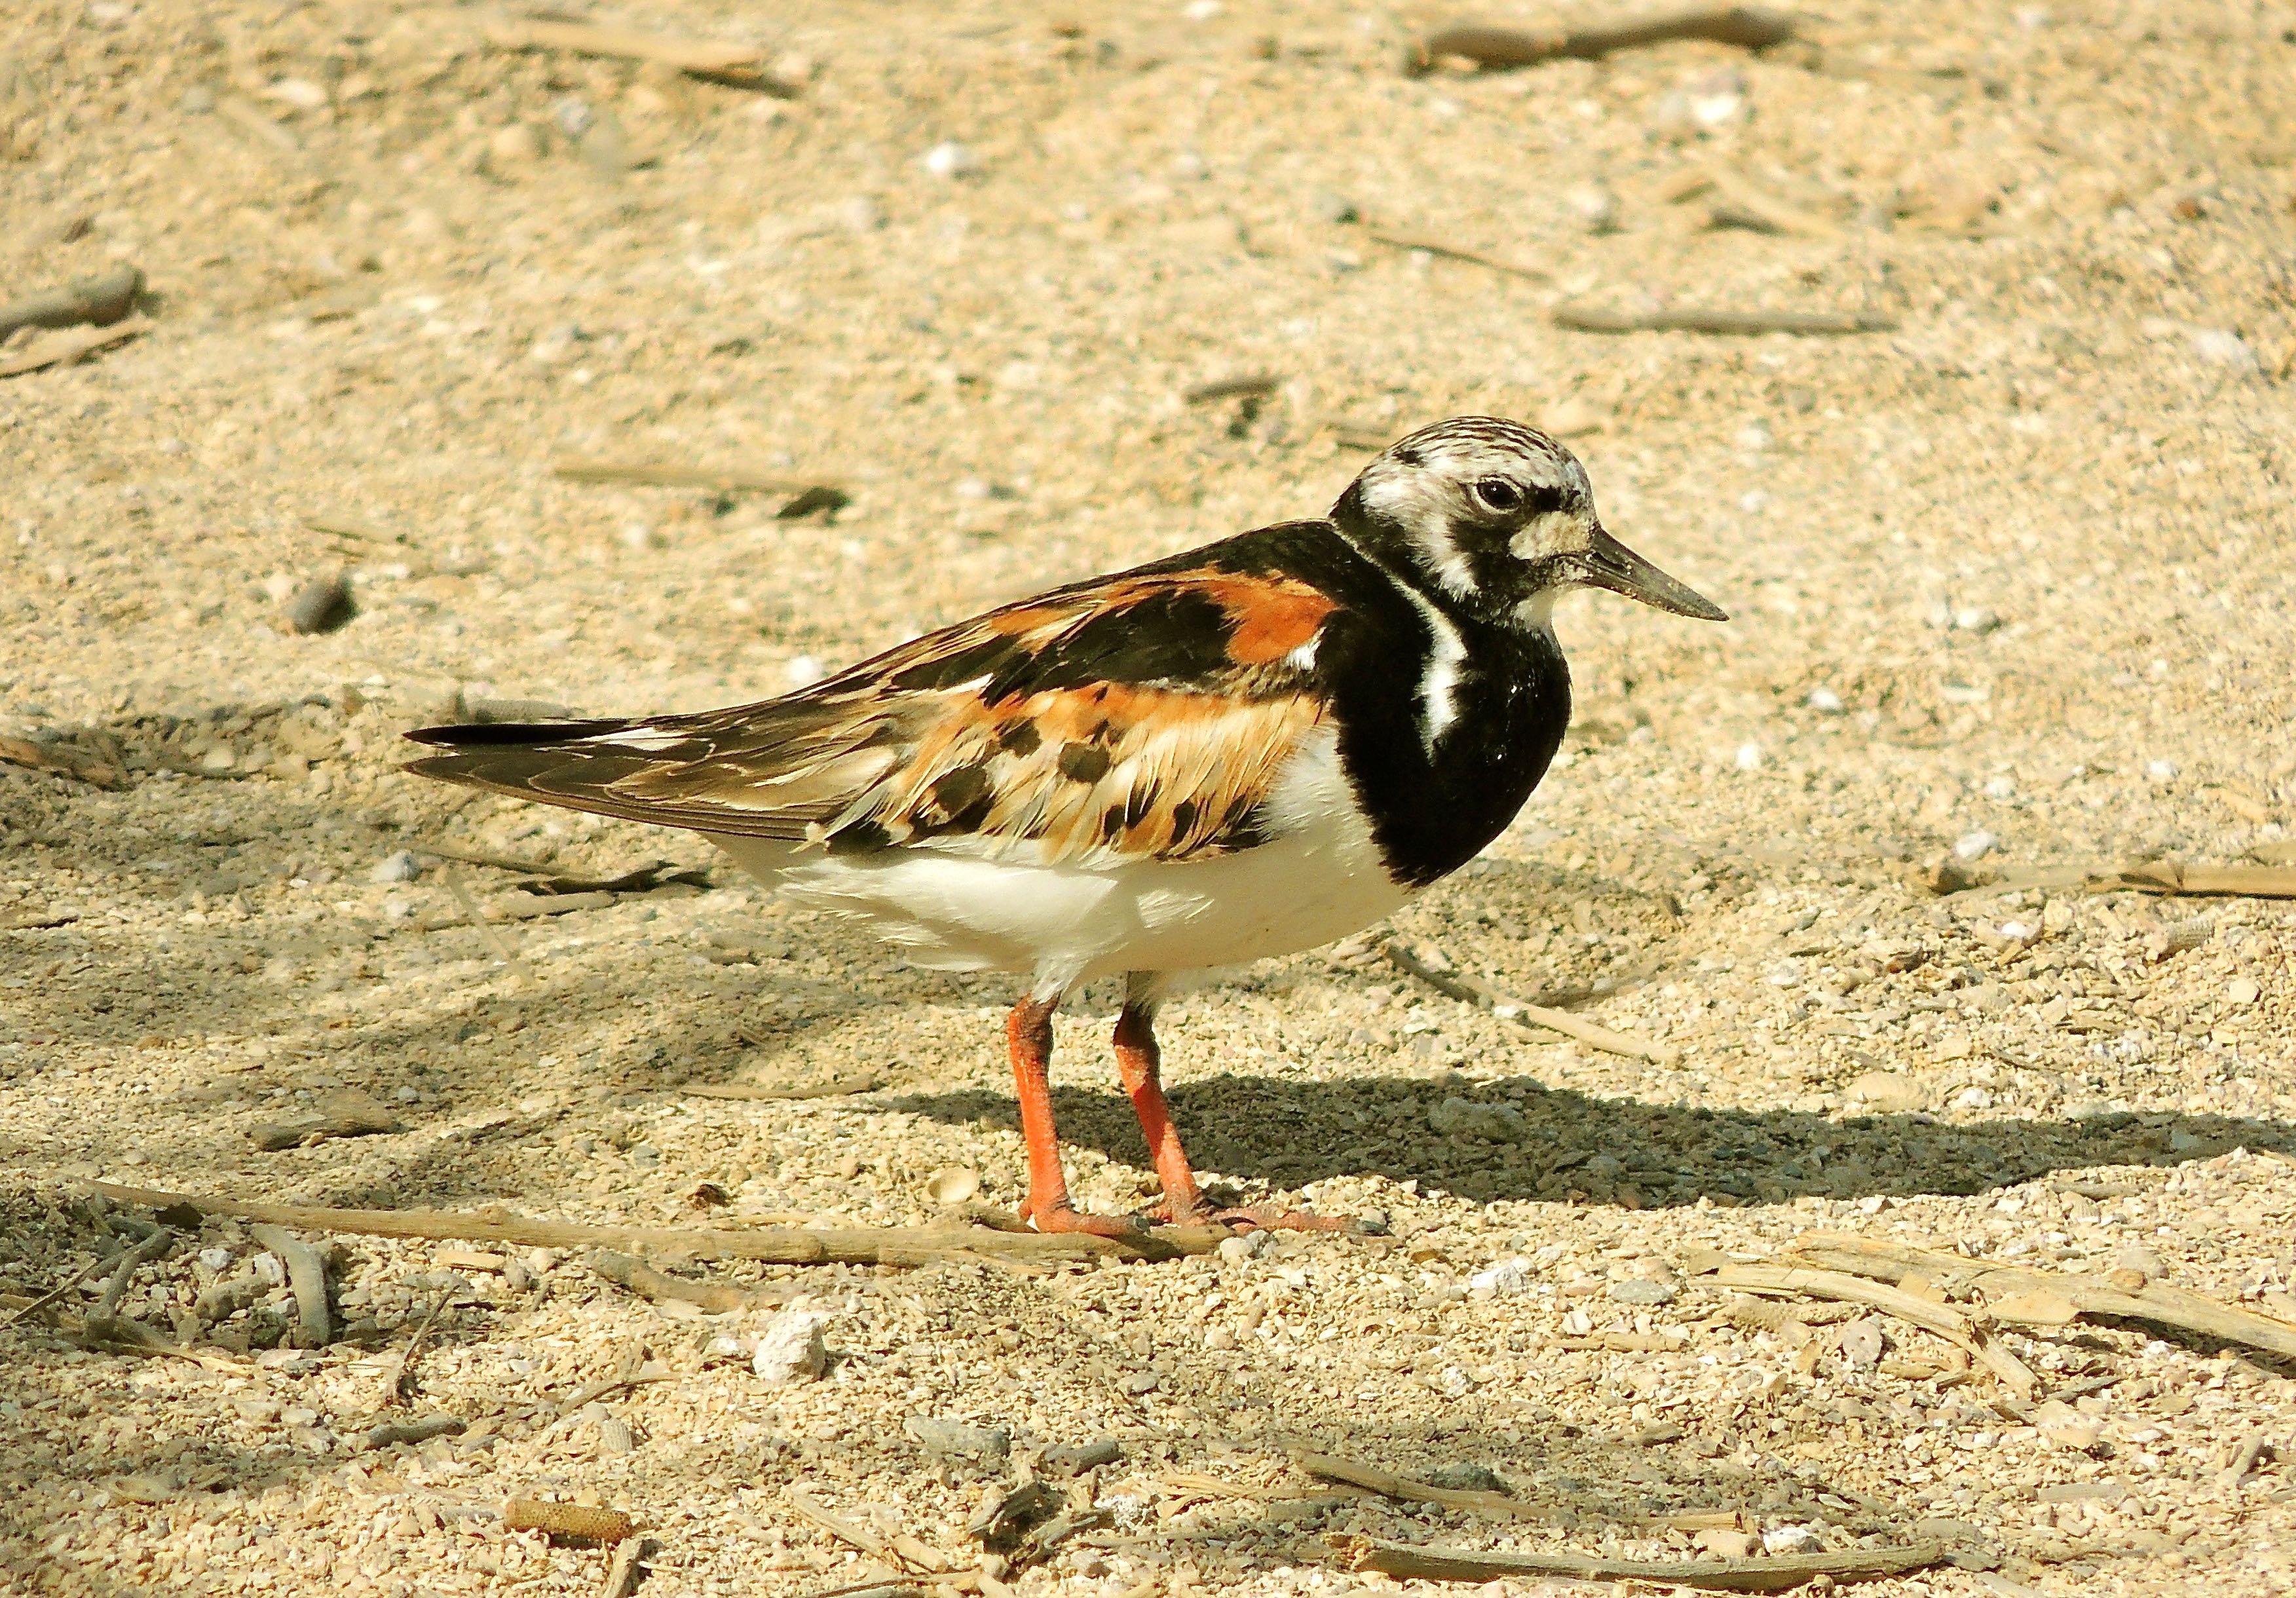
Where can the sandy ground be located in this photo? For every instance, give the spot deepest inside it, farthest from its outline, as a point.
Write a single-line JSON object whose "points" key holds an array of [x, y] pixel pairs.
{"points": [[2012, 579]]}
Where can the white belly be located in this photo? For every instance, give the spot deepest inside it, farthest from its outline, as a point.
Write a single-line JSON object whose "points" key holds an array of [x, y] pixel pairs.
{"points": [[1318, 878]]}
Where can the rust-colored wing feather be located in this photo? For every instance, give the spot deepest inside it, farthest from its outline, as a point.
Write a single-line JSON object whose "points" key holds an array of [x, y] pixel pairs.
{"points": [[1146, 714]]}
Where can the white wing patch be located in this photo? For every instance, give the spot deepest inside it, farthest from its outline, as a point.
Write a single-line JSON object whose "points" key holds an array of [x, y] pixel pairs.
{"points": [[647, 739]]}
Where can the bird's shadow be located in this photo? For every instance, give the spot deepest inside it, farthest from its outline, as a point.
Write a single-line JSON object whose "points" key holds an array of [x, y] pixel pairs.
{"points": [[1517, 1138]]}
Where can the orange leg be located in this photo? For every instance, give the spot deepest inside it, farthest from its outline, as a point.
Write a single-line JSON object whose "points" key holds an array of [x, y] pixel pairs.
{"points": [[1140, 1062], [1028, 1039]]}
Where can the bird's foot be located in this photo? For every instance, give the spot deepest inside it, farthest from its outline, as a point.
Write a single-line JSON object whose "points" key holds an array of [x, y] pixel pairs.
{"points": [[1061, 1217]]}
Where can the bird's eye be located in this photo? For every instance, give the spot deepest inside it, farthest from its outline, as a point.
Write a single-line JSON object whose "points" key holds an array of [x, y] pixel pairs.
{"points": [[1498, 493]]}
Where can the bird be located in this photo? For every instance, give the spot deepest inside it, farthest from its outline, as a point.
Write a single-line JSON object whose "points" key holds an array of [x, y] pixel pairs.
{"points": [[1248, 750]]}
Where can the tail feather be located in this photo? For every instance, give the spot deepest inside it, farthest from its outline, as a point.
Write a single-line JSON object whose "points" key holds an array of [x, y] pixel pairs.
{"points": [[465, 734], [578, 765]]}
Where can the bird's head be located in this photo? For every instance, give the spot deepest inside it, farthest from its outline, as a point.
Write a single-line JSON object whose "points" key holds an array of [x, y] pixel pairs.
{"points": [[1498, 517]]}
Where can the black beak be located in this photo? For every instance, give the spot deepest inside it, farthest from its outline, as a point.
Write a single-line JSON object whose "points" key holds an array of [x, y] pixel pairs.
{"points": [[1608, 563]]}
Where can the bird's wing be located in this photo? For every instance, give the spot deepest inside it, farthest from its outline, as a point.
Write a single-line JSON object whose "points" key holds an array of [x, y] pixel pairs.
{"points": [[1142, 714]]}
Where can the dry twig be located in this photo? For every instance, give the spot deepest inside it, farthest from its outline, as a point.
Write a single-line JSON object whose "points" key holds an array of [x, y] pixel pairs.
{"points": [[343, 1112], [634, 1374], [1256, 385], [1777, 1575], [1458, 985], [64, 758], [1595, 319], [400, 1388], [1457, 252], [306, 1275], [722, 479], [835, 1087], [101, 300], [844, 1245], [1953, 878], [737, 66], [2023, 1295], [623, 1575], [1747, 27], [1387, 1484], [719, 1298], [1944, 1319], [61, 348], [810, 1508], [55, 1293]]}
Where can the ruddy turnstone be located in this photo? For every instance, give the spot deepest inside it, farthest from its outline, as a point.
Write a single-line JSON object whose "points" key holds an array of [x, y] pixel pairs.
{"points": [[1244, 751]]}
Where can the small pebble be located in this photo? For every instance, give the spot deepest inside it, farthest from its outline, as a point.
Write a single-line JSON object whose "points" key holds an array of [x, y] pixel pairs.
{"points": [[791, 1349], [1825, 702], [400, 867], [949, 159], [2220, 347], [1245, 1246], [1749, 757], [322, 605], [1974, 846], [516, 146], [859, 214], [1492, 1123], [1328, 206], [2243, 991], [1644, 1292], [216, 1259], [1596, 206], [605, 145], [1466, 1476], [1975, 619], [1503, 1280], [1791, 1539]]}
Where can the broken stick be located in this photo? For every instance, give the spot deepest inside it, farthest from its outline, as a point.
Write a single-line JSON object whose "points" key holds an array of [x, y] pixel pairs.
{"points": [[835, 1087], [1387, 1484], [60, 349], [737, 66], [844, 1245], [722, 479], [1944, 1319], [2023, 1295], [306, 1275], [400, 1388], [100, 301], [1777, 1575], [1747, 27], [1462, 987], [717, 1298], [1457, 252], [1595, 319]]}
